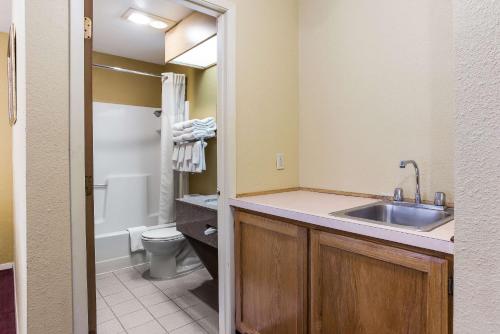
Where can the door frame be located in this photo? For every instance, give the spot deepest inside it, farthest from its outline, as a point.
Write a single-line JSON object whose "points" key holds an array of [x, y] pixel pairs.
{"points": [[225, 11]]}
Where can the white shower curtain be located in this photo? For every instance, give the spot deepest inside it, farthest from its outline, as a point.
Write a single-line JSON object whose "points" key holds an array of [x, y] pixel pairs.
{"points": [[172, 105]]}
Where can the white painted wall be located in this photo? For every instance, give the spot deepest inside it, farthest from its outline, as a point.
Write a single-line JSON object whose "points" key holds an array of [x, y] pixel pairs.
{"points": [[41, 169], [477, 214], [127, 161], [48, 232]]}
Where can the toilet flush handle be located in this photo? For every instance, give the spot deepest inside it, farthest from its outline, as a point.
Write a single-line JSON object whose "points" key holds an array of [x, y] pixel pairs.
{"points": [[210, 230]]}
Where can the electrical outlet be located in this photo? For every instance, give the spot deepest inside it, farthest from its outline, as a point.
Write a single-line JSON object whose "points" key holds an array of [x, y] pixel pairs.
{"points": [[280, 161]]}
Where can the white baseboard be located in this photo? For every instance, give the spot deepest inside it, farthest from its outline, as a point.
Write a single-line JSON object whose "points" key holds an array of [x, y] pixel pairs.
{"points": [[6, 266]]}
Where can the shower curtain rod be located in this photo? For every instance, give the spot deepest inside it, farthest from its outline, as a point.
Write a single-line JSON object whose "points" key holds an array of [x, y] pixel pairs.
{"points": [[124, 70]]}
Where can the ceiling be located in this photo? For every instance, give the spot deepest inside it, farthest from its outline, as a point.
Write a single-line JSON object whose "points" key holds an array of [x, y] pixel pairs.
{"points": [[117, 36], [5, 12]]}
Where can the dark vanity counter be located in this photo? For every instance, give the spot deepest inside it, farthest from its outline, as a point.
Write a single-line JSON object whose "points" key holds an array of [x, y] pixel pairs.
{"points": [[196, 217]]}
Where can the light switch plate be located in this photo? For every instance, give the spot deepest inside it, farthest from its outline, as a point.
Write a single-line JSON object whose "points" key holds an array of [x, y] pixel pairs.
{"points": [[280, 161]]}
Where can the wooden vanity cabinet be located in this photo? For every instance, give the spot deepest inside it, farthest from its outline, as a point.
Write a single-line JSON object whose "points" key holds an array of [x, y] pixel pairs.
{"points": [[271, 276], [292, 279], [359, 286]]}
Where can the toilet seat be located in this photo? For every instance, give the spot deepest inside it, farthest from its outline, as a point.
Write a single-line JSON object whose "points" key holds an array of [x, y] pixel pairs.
{"points": [[162, 234]]}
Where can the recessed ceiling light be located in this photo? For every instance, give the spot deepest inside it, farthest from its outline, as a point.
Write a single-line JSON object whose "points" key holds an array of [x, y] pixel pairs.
{"points": [[158, 24], [139, 18], [201, 56], [143, 18]]}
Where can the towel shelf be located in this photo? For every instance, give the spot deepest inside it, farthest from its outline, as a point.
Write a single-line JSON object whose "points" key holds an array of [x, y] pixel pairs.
{"points": [[193, 140]]}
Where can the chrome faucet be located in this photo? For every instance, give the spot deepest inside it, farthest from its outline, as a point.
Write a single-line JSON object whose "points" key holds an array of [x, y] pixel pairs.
{"points": [[402, 164]]}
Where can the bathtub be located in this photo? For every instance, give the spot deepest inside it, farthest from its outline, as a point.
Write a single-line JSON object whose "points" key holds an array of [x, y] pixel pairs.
{"points": [[126, 180]]}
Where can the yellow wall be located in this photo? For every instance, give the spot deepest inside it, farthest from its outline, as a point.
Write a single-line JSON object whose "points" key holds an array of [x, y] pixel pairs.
{"points": [[376, 87], [266, 94], [205, 93], [6, 226], [123, 88], [205, 105]]}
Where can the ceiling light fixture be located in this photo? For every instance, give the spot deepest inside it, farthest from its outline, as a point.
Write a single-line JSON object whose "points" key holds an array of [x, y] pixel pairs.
{"points": [[201, 56], [139, 18], [143, 18], [158, 24]]}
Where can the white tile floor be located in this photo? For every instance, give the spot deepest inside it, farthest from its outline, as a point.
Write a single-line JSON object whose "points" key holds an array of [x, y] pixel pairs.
{"points": [[128, 303]]}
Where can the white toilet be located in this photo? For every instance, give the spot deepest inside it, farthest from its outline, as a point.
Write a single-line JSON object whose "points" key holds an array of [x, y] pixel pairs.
{"points": [[170, 253]]}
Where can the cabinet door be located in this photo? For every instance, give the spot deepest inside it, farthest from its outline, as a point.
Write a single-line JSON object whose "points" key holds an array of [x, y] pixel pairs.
{"points": [[361, 287], [271, 276]]}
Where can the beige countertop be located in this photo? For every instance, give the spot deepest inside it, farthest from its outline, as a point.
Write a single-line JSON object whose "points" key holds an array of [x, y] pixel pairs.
{"points": [[314, 208]]}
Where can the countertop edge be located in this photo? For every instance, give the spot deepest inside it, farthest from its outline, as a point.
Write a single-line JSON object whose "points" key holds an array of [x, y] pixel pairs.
{"points": [[401, 237]]}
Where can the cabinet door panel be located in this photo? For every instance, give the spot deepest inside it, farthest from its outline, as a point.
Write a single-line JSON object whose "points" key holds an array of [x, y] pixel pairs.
{"points": [[271, 276], [363, 287]]}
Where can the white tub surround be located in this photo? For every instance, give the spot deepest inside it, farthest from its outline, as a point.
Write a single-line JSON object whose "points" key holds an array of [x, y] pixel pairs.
{"points": [[126, 167], [314, 208], [126, 180]]}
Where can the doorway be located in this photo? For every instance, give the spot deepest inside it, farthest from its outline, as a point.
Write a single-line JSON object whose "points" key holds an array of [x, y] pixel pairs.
{"points": [[225, 174]]}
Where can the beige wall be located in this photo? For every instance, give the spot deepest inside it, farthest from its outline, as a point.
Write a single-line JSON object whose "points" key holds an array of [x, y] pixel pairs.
{"points": [[205, 105], [266, 94], [376, 87], [6, 225], [477, 213], [41, 169]]}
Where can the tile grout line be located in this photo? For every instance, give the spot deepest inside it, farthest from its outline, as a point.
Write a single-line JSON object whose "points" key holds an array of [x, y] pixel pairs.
{"points": [[179, 306], [104, 300], [122, 282], [147, 310], [189, 315]]}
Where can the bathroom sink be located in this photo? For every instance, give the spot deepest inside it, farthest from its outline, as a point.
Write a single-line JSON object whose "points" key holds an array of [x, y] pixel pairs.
{"points": [[420, 217]]}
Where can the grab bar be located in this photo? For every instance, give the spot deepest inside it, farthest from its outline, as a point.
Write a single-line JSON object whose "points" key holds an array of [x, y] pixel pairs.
{"points": [[100, 186]]}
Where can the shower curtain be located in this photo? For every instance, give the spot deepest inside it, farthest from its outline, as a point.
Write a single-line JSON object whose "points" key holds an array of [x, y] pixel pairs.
{"points": [[172, 185]]}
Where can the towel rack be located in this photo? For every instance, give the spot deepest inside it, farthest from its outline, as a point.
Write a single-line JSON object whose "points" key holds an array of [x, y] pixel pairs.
{"points": [[193, 140]]}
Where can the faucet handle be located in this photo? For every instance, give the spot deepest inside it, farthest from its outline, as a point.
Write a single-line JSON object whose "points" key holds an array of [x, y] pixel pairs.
{"points": [[440, 199], [398, 195]]}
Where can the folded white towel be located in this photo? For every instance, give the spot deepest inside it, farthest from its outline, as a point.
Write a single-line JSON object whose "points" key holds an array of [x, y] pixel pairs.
{"points": [[198, 159], [190, 157], [188, 151], [198, 134], [206, 122], [188, 154], [180, 160], [196, 153], [136, 238], [175, 154], [189, 129]]}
